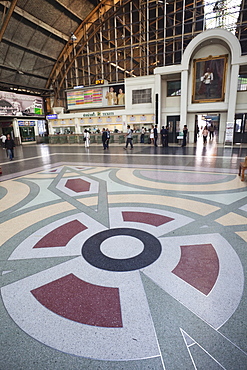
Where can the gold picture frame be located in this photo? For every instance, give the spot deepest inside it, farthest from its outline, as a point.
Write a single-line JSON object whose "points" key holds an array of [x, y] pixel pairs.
{"points": [[209, 75]]}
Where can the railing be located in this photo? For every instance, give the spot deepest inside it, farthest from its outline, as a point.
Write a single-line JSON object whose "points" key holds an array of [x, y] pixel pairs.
{"points": [[94, 139]]}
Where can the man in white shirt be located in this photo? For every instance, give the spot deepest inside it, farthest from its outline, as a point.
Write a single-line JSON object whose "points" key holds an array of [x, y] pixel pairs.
{"points": [[3, 138], [129, 138], [207, 79]]}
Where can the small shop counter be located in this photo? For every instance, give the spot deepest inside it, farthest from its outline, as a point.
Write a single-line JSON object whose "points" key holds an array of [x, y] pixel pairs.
{"points": [[94, 139]]}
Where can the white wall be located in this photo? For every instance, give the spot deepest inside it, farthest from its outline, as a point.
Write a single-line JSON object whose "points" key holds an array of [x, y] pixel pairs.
{"points": [[209, 43], [241, 106], [139, 83]]}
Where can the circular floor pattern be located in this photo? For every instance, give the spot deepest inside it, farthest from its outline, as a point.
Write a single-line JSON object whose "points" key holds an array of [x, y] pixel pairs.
{"points": [[92, 253], [101, 297], [121, 247], [185, 177]]}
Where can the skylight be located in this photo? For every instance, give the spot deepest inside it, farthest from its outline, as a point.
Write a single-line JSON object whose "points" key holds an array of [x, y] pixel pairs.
{"points": [[222, 14]]}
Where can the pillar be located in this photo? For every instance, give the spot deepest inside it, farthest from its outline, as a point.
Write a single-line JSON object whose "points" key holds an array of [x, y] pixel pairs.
{"points": [[157, 100], [233, 93], [184, 98]]}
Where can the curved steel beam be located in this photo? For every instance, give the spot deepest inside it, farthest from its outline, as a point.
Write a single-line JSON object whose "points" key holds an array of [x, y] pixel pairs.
{"points": [[81, 31], [7, 18]]}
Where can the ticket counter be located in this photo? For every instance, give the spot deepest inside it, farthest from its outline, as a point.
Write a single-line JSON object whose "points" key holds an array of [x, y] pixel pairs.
{"points": [[27, 134]]}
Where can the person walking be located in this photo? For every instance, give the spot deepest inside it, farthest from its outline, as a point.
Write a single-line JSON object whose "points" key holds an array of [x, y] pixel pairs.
{"points": [[211, 131], [108, 138], [155, 135], [86, 138], [185, 133], [142, 135], [152, 135], [129, 138], [9, 145], [205, 134], [3, 138], [104, 138]]}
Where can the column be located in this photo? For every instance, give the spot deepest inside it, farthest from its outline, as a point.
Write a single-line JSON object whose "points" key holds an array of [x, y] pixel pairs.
{"points": [[233, 93], [16, 130], [77, 126], [157, 93], [184, 98], [36, 130]]}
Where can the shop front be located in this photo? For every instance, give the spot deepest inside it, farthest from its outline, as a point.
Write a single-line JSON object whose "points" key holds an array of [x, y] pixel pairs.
{"points": [[240, 128], [209, 120], [27, 134], [6, 127], [27, 129]]}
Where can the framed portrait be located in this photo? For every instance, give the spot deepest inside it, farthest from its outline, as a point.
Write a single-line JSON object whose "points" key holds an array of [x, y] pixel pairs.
{"points": [[209, 79], [114, 95]]}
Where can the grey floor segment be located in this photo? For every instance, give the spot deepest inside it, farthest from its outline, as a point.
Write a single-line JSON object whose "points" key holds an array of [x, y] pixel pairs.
{"points": [[149, 182]]}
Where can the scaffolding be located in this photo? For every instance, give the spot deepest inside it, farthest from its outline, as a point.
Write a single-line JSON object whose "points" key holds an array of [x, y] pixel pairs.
{"points": [[122, 39]]}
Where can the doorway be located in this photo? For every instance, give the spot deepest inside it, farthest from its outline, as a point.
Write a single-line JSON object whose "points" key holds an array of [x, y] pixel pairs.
{"points": [[211, 120], [6, 127], [240, 128], [27, 134], [173, 124]]}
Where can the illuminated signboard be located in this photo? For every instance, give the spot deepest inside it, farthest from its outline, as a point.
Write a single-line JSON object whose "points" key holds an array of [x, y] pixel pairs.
{"points": [[51, 116], [26, 123], [79, 98], [12, 104], [104, 96]]}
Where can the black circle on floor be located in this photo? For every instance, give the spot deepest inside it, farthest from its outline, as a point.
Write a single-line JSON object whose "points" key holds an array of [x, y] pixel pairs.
{"points": [[93, 255]]}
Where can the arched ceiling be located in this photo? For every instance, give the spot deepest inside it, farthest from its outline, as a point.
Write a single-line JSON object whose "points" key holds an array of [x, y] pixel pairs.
{"points": [[33, 34], [115, 39]]}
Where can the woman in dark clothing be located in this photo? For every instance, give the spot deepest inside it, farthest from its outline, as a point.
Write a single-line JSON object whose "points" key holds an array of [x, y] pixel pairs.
{"points": [[164, 136], [185, 132], [104, 138], [9, 146]]}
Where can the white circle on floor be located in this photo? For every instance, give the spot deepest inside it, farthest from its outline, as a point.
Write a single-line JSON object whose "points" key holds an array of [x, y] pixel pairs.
{"points": [[121, 247]]}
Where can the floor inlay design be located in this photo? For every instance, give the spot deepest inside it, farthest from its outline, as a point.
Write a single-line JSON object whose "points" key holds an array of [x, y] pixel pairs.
{"points": [[112, 264]]}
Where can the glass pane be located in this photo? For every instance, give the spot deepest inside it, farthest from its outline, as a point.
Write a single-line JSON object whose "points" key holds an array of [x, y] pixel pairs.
{"points": [[242, 82], [173, 88], [238, 125], [170, 124], [245, 125]]}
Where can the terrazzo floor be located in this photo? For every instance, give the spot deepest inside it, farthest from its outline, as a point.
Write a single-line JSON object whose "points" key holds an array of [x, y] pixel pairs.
{"points": [[123, 260]]}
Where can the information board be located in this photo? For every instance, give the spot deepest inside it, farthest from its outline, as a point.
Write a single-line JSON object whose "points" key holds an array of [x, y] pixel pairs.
{"points": [[95, 97], [81, 98], [12, 104], [229, 132]]}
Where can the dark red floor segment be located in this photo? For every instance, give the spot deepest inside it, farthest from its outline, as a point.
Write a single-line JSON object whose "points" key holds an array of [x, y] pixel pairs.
{"points": [[60, 236], [146, 218], [198, 266], [82, 302]]}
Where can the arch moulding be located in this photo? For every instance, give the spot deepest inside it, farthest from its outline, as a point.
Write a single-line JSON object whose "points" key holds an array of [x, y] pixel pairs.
{"points": [[224, 36]]}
